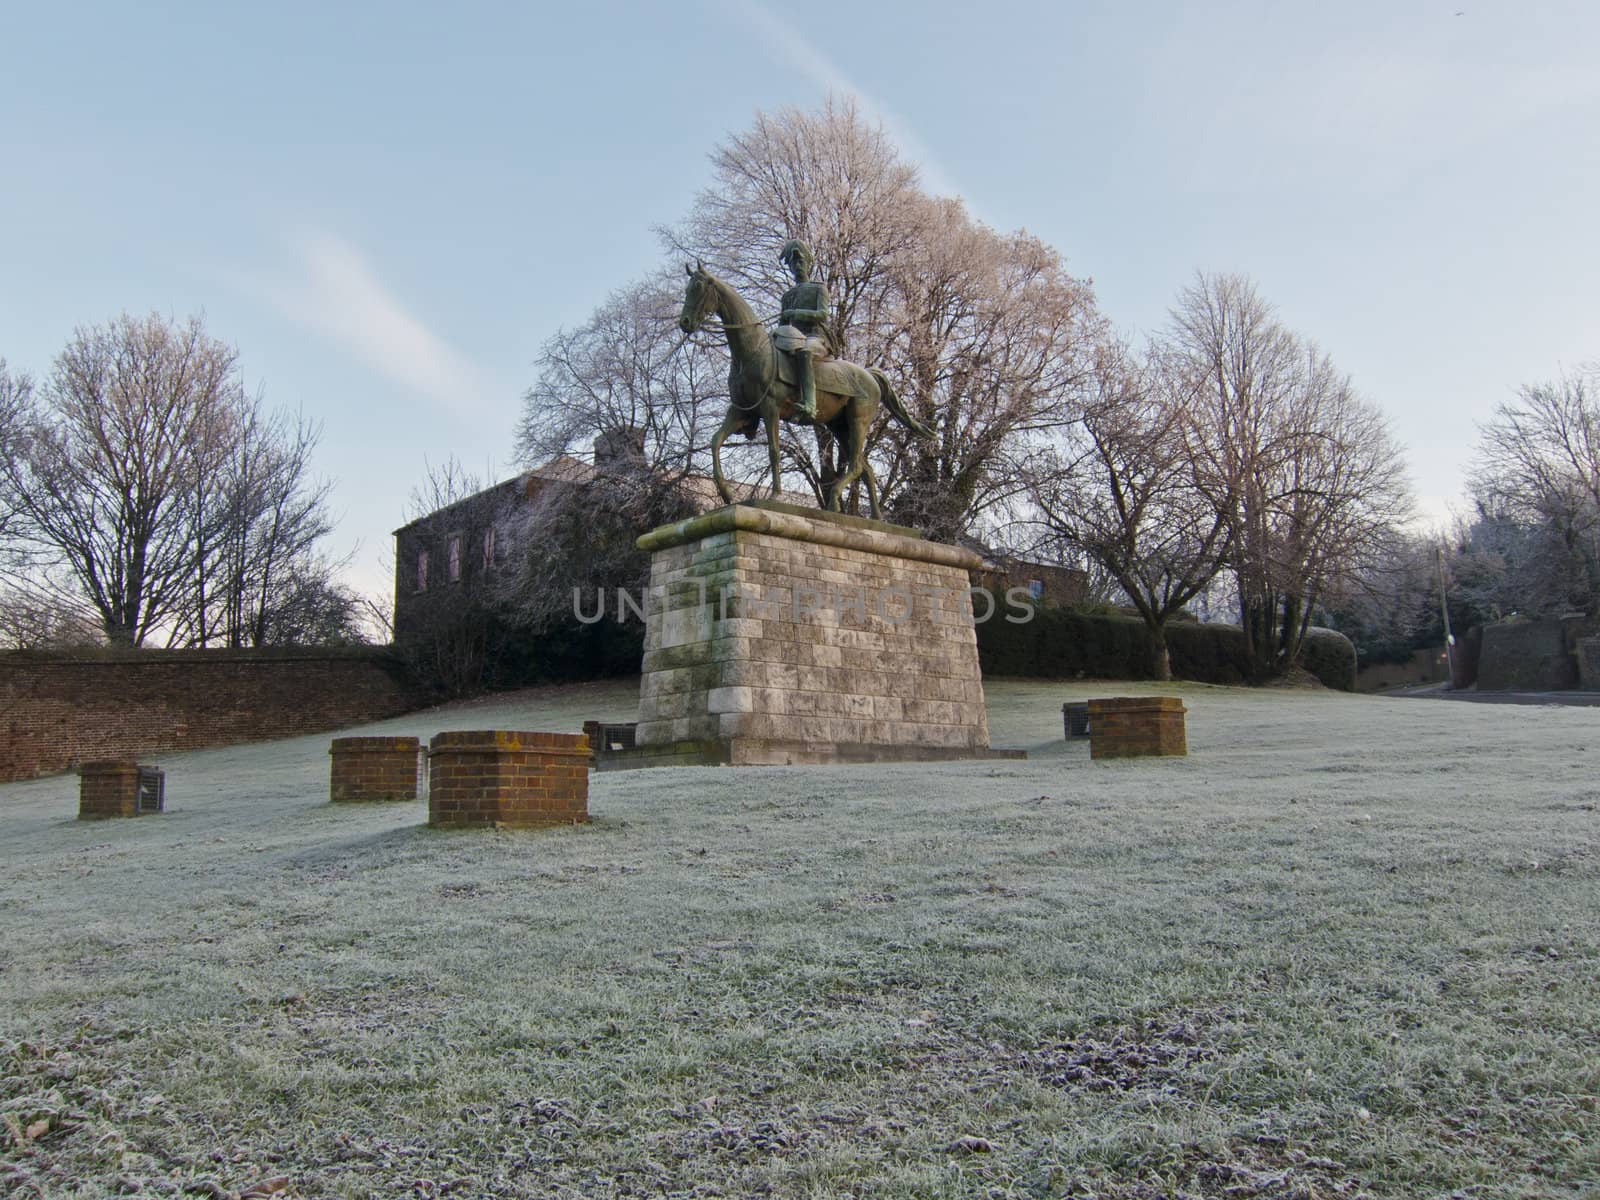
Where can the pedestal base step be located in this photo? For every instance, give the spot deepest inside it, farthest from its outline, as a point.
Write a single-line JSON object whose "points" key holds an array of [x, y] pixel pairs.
{"points": [[770, 752]]}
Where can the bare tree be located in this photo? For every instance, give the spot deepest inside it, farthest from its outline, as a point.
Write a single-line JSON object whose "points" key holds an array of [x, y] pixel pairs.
{"points": [[828, 177], [157, 496], [1503, 564], [448, 483], [31, 619], [133, 413], [994, 341], [1536, 488], [310, 607], [24, 620], [257, 517], [1122, 490], [1393, 608], [1310, 480], [627, 375], [16, 394], [985, 335]]}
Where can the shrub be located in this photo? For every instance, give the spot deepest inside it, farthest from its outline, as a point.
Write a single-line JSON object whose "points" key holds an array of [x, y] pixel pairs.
{"points": [[1063, 643], [1331, 657], [1209, 653]]}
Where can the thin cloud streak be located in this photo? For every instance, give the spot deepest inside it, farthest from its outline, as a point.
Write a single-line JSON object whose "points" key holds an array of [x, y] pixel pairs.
{"points": [[339, 295], [784, 41]]}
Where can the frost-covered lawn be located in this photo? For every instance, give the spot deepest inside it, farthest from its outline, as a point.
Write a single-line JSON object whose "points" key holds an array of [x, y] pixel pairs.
{"points": [[1350, 945]]}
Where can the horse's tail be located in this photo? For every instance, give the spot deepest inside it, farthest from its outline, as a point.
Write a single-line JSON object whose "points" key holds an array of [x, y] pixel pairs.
{"points": [[898, 409]]}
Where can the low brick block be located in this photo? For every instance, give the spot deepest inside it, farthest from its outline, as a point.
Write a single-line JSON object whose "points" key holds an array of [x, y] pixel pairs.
{"points": [[108, 788], [1137, 727], [508, 778], [374, 768]]}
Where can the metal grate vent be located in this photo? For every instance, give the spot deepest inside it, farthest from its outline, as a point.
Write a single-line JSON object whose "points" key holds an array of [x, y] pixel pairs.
{"points": [[1075, 718], [152, 790], [618, 736]]}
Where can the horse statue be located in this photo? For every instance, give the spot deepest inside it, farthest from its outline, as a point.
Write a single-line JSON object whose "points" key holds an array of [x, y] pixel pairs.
{"points": [[762, 390]]}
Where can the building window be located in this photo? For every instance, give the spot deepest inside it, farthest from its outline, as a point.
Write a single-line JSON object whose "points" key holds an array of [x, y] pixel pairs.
{"points": [[488, 548], [422, 570], [455, 559], [1036, 588]]}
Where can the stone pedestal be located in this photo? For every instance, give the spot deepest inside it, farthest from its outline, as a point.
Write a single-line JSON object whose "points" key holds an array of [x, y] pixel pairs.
{"points": [[505, 778], [777, 634], [374, 768], [1137, 727]]}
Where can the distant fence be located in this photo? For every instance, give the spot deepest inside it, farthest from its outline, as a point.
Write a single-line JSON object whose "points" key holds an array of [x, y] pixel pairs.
{"points": [[60, 708]]}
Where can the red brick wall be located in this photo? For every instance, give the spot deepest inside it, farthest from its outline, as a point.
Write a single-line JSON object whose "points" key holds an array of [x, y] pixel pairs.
{"points": [[60, 709]]}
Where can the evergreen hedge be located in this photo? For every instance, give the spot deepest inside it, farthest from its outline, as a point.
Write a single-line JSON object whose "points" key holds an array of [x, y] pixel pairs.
{"points": [[1064, 643]]}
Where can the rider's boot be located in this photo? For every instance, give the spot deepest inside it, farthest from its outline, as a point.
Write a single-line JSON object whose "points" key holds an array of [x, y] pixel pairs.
{"points": [[806, 408]]}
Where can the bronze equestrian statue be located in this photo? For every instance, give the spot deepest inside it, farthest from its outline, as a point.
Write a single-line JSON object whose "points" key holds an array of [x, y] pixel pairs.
{"points": [[787, 375]]}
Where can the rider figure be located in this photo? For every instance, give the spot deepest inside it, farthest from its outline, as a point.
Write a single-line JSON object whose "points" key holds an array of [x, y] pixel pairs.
{"points": [[802, 330]]}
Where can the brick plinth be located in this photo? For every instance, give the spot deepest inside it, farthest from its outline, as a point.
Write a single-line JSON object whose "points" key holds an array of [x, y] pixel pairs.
{"points": [[507, 778], [108, 788], [374, 768], [777, 634], [1137, 727]]}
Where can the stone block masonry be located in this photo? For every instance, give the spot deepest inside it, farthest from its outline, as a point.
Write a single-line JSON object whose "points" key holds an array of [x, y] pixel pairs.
{"points": [[1589, 664], [1137, 727], [1529, 656], [509, 779], [777, 634], [374, 768]]}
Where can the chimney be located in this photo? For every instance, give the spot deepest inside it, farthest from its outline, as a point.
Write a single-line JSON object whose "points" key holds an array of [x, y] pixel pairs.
{"points": [[619, 447]]}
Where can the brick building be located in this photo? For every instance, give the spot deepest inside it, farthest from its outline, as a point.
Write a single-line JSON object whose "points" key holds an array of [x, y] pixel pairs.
{"points": [[1049, 582], [444, 561]]}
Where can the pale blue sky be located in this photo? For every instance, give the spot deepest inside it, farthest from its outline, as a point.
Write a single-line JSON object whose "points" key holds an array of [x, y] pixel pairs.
{"points": [[389, 208]]}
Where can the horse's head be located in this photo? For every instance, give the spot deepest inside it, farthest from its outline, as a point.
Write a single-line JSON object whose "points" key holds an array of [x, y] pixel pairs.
{"points": [[699, 299]]}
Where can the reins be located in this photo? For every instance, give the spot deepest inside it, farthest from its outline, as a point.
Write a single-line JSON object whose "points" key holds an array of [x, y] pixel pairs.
{"points": [[726, 325]]}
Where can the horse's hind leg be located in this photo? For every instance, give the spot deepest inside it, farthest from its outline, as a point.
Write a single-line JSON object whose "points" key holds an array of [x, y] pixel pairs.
{"points": [[871, 477], [859, 419]]}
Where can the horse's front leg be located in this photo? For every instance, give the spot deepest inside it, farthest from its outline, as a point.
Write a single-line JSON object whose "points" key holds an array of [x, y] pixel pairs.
{"points": [[871, 477], [731, 422], [771, 418]]}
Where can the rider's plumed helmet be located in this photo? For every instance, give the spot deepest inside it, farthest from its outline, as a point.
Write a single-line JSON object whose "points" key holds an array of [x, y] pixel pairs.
{"points": [[795, 248]]}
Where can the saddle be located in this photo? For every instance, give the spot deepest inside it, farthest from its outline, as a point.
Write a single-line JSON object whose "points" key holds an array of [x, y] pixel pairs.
{"points": [[832, 375]]}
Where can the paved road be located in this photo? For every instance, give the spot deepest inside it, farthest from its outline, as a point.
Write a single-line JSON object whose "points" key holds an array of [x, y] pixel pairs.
{"points": [[1573, 699]]}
